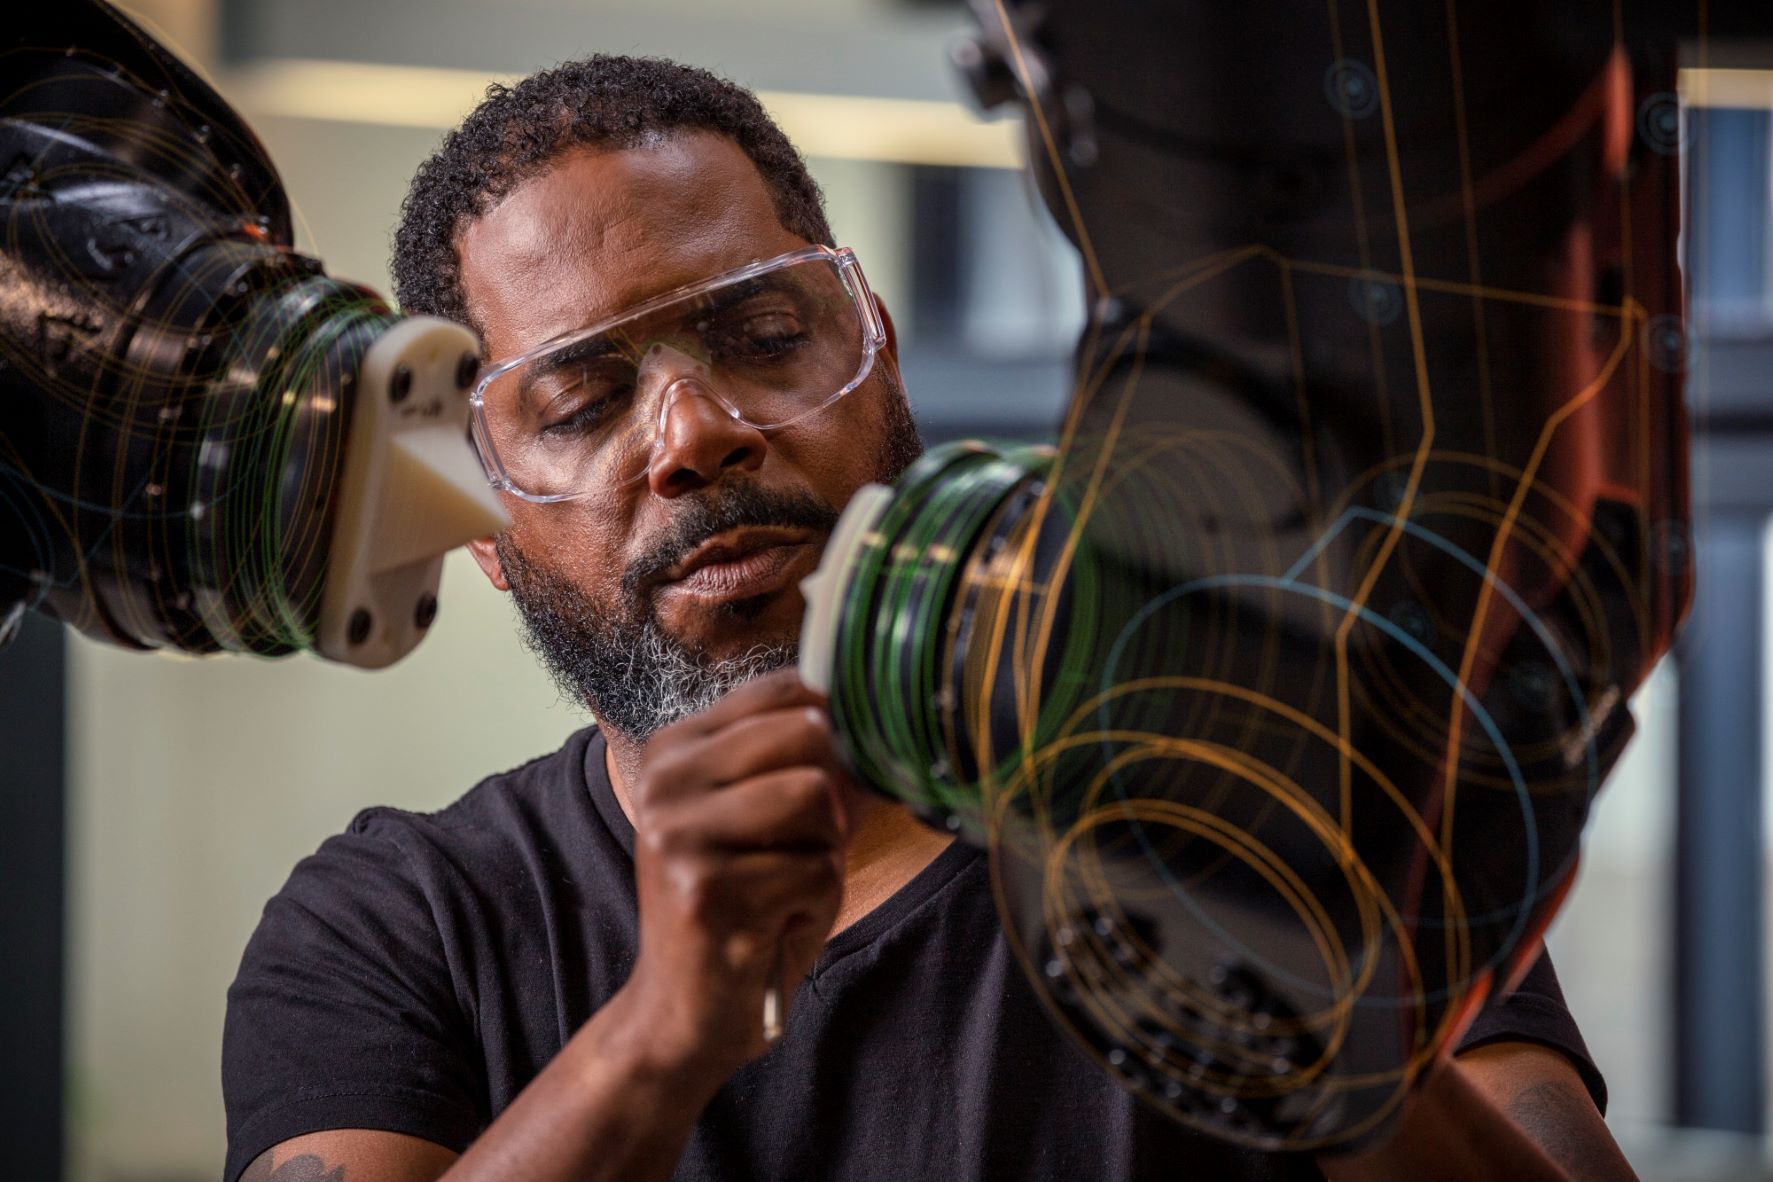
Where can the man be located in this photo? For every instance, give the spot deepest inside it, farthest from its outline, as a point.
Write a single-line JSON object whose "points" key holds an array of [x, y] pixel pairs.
{"points": [[562, 975]]}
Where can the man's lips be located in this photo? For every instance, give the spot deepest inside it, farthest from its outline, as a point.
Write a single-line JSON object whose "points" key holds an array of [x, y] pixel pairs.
{"points": [[739, 564]]}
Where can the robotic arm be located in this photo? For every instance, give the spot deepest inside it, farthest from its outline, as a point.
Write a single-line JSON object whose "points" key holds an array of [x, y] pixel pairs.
{"points": [[1281, 687], [206, 443]]}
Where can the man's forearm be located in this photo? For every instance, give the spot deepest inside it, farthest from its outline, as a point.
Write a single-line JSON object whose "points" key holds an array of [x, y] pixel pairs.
{"points": [[609, 1107], [1451, 1131]]}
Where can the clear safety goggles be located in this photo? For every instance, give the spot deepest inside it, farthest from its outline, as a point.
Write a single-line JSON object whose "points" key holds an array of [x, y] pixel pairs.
{"points": [[767, 344]]}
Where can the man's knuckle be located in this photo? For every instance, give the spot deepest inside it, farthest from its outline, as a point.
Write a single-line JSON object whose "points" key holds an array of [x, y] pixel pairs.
{"points": [[811, 725], [653, 840], [808, 790], [784, 684], [647, 790], [703, 898], [665, 765], [673, 833]]}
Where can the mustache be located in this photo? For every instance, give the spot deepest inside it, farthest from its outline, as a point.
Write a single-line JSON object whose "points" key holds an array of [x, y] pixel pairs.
{"points": [[721, 508]]}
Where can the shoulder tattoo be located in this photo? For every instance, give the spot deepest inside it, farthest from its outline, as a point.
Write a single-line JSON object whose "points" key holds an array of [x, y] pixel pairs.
{"points": [[305, 1168]]}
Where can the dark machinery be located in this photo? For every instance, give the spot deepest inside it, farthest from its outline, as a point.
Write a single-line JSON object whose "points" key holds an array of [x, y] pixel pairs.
{"points": [[1281, 688], [206, 442]]}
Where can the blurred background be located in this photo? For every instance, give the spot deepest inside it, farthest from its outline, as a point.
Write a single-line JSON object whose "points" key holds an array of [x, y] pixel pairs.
{"points": [[156, 803]]}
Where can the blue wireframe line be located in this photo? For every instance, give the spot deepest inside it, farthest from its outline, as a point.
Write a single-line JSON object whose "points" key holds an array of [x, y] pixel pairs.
{"points": [[1428, 658], [1508, 593], [1486, 722]]}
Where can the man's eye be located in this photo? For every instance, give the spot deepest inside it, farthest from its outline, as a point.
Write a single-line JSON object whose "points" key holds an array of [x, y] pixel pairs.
{"points": [[761, 337], [584, 408]]}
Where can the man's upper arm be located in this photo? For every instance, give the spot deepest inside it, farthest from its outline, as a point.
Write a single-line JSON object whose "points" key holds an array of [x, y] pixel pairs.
{"points": [[351, 1155], [1543, 1093], [344, 1014]]}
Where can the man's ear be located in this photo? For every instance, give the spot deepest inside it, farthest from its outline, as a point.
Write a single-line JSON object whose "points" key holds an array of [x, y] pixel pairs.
{"points": [[892, 334], [485, 552]]}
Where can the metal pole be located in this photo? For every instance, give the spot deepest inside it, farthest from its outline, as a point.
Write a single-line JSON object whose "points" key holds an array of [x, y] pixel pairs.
{"points": [[33, 795], [1719, 1025]]}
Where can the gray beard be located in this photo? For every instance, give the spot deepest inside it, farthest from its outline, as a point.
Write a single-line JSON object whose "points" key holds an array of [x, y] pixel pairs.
{"points": [[666, 681], [637, 678]]}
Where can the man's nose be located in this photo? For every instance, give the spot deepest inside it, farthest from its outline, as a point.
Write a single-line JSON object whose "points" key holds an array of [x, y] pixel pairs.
{"points": [[700, 440]]}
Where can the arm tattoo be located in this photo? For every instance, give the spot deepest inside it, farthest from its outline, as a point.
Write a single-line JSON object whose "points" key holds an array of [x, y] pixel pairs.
{"points": [[306, 1168], [1560, 1122]]}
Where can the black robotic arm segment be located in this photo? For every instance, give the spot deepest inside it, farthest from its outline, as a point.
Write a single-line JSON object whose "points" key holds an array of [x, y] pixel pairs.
{"points": [[1281, 688], [184, 404], [88, 68]]}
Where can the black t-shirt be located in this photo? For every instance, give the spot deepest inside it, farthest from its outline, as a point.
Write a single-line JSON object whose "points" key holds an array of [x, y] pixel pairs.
{"points": [[418, 970]]}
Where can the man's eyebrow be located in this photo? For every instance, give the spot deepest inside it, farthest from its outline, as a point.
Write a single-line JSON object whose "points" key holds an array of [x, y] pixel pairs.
{"points": [[555, 360], [590, 349], [738, 293]]}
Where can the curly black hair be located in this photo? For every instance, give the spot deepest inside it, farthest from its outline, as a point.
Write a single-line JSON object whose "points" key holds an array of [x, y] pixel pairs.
{"points": [[607, 100]]}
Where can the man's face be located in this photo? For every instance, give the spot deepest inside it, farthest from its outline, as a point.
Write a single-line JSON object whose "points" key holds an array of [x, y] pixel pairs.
{"points": [[651, 599]]}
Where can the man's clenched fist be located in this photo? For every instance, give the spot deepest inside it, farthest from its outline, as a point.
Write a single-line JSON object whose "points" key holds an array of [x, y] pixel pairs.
{"points": [[740, 830]]}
